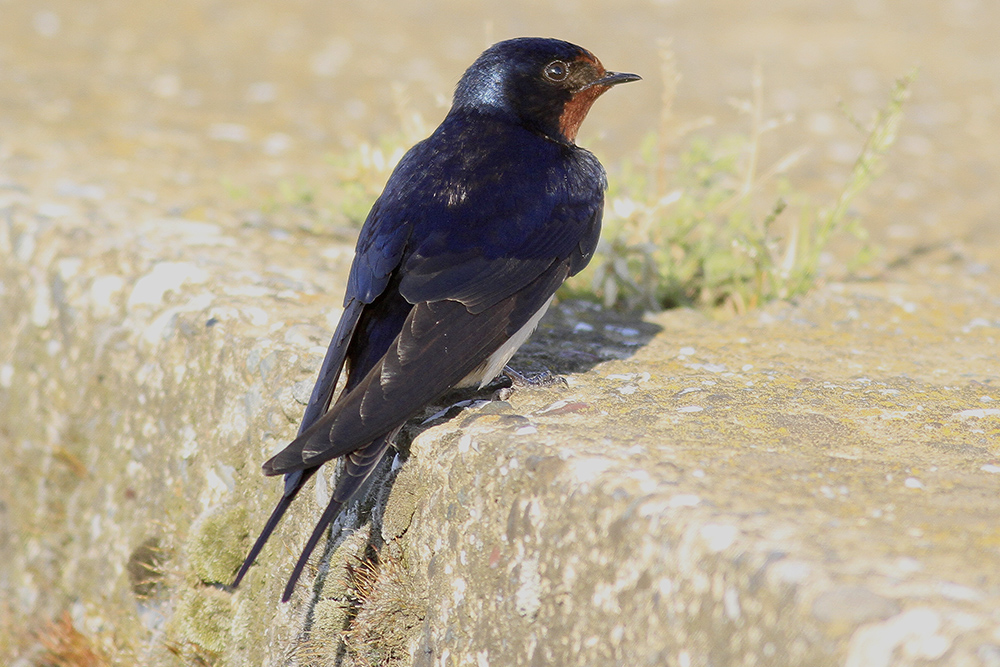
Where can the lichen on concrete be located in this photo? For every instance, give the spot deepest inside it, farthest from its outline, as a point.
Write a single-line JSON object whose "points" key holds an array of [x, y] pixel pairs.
{"points": [[218, 543], [203, 617], [809, 483]]}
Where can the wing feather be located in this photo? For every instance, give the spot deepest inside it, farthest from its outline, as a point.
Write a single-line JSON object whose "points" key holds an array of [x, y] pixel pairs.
{"points": [[440, 344]]}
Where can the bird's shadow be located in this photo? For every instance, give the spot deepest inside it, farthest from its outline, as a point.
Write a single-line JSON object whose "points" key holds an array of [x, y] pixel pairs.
{"points": [[573, 337]]}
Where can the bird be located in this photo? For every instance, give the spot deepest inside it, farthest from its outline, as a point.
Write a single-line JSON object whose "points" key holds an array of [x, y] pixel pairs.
{"points": [[460, 256]]}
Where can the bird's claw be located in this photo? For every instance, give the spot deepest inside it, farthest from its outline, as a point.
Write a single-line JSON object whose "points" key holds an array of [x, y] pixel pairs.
{"points": [[503, 385], [543, 379]]}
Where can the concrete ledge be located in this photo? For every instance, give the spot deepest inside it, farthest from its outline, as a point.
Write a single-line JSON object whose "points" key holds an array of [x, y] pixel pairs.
{"points": [[805, 486], [148, 369]]}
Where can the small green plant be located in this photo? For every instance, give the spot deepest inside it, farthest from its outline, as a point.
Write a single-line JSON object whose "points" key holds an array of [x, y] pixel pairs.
{"points": [[338, 199], [362, 173], [700, 235]]}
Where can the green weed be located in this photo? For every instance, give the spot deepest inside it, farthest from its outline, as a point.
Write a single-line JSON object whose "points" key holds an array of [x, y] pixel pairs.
{"points": [[690, 221], [362, 173], [337, 199], [703, 234]]}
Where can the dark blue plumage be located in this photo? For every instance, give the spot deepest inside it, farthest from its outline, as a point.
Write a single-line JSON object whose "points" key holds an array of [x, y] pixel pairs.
{"points": [[477, 227]]}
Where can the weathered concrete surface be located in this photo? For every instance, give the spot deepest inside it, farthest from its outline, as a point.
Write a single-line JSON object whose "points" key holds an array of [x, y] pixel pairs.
{"points": [[148, 370], [814, 483], [714, 500], [810, 484]]}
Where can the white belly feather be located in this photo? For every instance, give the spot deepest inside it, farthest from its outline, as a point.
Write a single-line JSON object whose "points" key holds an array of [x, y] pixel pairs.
{"points": [[492, 367]]}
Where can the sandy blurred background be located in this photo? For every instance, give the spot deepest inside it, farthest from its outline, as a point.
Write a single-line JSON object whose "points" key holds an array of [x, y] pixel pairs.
{"points": [[169, 104], [208, 109]]}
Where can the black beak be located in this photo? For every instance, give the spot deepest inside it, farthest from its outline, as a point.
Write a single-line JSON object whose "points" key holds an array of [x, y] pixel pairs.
{"points": [[612, 79]]}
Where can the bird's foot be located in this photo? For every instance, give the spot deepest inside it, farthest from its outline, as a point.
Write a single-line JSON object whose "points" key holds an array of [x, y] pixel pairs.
{"points": [[544, 379], [503, 385]]}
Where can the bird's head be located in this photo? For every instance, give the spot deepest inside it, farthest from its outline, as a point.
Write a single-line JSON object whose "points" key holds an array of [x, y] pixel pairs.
{"points": [[546, 85]]}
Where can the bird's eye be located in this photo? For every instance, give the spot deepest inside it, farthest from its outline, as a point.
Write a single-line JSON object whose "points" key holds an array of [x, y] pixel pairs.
{"points": [[556, 70]]}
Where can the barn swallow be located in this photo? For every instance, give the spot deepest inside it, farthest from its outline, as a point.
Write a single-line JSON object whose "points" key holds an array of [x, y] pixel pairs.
{"points": [[458, 260]]}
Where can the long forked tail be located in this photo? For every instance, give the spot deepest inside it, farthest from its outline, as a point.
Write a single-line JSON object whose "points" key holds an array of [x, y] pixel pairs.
{"points": [[293, 484], [358, 467], [329, 514], [319, 402]]}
